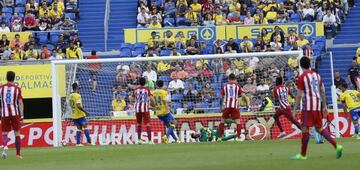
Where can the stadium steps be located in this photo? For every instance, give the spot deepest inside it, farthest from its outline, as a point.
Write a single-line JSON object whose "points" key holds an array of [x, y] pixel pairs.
{"points": [[91, 24], [350, 30], [342, 58], [122, 15]]}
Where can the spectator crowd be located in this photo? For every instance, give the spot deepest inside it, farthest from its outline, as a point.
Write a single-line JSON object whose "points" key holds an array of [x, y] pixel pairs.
{"points": [[52, 24], [169, 13]]}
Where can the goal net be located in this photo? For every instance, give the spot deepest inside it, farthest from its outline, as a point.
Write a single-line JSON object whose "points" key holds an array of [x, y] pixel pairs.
{"points": [[194, 83]]}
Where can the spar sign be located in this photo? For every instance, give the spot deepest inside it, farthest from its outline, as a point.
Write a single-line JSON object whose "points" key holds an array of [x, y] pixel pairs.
{"points": [[115, 132]]}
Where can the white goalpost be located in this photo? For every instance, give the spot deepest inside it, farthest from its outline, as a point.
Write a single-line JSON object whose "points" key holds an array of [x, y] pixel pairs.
{"points": [[108, 126]]}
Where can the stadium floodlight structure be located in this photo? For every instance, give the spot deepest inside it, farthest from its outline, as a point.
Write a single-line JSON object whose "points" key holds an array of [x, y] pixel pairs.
{"points": [[77, 71]]}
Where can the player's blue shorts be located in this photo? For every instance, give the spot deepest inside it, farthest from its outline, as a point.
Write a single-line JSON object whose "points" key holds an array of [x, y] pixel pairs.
{"points": [[80, 121], [355, 114], [165, 119]]}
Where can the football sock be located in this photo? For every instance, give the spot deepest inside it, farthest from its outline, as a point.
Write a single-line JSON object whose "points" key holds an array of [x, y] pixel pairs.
{"points": [[78, 137], [171, 132], [238, 130], [277, 121], [221, 130], [87, 135], [5, 140], [304, 142], [139, 132], [328, 137], [148, 131], [17, 144]]}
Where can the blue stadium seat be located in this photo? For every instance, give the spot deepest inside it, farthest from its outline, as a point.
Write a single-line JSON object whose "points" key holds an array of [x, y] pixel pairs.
{"points": [[176, 105], [7, 10], [125, 52], [177, 97], [216, 86], [182, 51], [204, 106], [165, 78], [71, 16], [20, 2], [126, 45], [139, 45], [295, 17], [19, 10], [242, 17], [136, 53], [43, 37], [54, 37], [165, 52], [191, 105], [170, 22]]}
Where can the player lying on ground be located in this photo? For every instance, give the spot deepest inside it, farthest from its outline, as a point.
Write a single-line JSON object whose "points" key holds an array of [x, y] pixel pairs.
{"points": [[312, 91], [281, 93], [162, 109], [79, 115], [351, 101], [211, 135], [231, 93], [142, 96], [12, 113]]}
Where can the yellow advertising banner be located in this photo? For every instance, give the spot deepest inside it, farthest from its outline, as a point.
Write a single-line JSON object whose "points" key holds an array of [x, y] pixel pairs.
{"points": [[309, 29], [24, 36], [34, 80]]}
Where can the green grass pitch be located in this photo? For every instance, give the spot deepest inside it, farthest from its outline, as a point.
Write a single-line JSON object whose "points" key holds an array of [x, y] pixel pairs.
{"points": [[252, 155]]}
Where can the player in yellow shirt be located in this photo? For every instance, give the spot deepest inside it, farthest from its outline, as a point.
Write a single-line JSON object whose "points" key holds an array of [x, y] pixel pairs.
{"points": [[79, 115], [351, 100], [162, 110]]}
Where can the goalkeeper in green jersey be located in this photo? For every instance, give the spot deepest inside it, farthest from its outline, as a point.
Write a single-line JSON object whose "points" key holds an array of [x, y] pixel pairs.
{"points": [[211, 135]]}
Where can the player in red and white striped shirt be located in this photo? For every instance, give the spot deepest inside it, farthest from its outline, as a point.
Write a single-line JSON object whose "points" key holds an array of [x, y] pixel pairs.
{"points": [[312, 92], [281, 93], [231, 93], [142, 96], [11, 112]]}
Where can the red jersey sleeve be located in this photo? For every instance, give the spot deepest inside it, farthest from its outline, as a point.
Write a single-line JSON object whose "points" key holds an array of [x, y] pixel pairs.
{"points": [[300, 83], [274, 92], [241, 90]]}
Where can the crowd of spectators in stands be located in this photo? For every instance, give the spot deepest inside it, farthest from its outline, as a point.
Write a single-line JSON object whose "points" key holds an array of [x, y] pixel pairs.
{"points": [[169, 13], [196, 83], [57, 17]]}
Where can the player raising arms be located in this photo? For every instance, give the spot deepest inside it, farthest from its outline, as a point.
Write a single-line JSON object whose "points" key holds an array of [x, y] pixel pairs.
{"points": [[12, 113], [231, 93], [142, 96], [312, 92], [351, 100], [79, 115], [162, 110], [281, 93]]}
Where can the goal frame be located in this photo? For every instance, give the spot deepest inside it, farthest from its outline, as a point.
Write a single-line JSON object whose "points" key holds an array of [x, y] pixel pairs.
{"points": [[56, 99]]}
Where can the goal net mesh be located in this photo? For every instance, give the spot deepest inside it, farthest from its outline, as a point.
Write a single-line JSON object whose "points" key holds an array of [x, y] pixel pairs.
{"points": [[195, 95]]}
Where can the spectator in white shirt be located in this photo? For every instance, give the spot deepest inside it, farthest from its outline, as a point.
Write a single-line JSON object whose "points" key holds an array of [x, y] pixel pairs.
{"points": [[262, 87], [176, 85], [330, 22], [150, 74], [4, 28], [232, 70], [275, 45], [249, 20], [143, 19], [308, 13]]}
